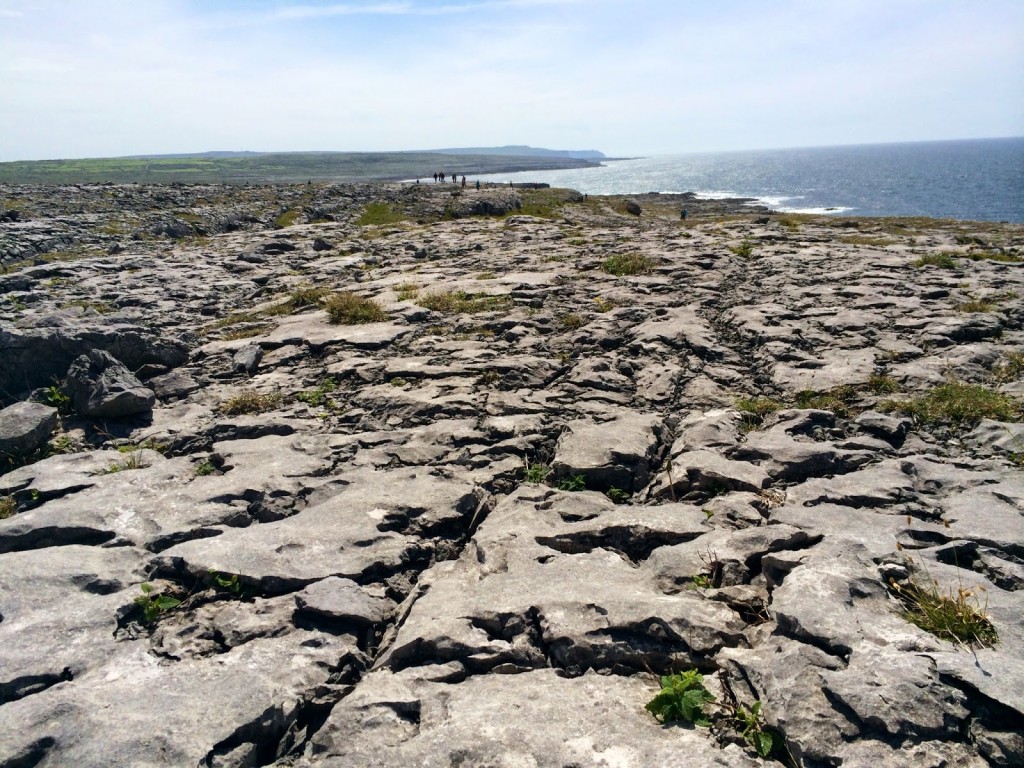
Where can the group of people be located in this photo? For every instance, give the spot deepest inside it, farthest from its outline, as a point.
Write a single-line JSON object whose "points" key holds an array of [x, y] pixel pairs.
{"points": [[440, 176]]}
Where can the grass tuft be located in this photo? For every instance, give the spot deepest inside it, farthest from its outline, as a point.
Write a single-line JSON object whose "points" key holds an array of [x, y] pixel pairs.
{"points": [[250, 402], [623, 264], [347, 308], [940, 260], [959, 404], [8, 506], [460, 302], [957, 617]]}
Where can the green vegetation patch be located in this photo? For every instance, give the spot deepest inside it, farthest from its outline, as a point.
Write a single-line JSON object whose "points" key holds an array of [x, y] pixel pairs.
{"points": [[250, 402], [957, 617], [461, 302], [8, 506], [347, 308], [959, 404], [380, 214], [624, 264], [940, 260]]}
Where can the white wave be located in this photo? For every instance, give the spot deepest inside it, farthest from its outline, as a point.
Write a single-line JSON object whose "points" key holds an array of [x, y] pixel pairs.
{"points": [[819, 211]]}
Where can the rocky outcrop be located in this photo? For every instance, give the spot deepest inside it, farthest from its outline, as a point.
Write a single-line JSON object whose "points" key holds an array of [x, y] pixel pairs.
{"points": [[475, 532]]}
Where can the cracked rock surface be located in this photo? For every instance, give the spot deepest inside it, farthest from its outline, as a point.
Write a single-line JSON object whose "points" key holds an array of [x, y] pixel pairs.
{"points": [[475, 530]]}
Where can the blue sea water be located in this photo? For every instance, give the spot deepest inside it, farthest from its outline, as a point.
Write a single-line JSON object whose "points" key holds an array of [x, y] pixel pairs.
{"points": [[977, 179]]}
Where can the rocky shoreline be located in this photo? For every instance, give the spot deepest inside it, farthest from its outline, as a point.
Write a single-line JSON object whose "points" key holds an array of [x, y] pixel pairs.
{"points": [[573, 444]]}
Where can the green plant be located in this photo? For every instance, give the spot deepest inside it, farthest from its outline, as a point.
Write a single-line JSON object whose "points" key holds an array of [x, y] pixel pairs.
{"points": [[682, 697], [460, 302], [133, 459], [573, 483], [250, 402], [205, 467], [623, 264], [347, 308], [1011, 370], [406, 291], [959, 404], [605, 305], [537, 473], [745, 249], [489, 378], [8, 506], [748, 723], [571, 321], [958, 617], [836, 400], [882, 385], [54, 397], [227, 582], [305, 295], [154, 605], [320, 396], [753, 410], [1006, 258], [398, 381], [287, 218], [485, 276], [940, 260], [617, 495], [702, 582]]}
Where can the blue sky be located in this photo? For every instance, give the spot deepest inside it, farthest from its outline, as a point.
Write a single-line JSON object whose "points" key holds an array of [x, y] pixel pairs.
{"points": [[91, 78]]}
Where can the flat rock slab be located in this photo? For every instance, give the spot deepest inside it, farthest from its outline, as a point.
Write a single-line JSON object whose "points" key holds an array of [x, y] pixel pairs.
{"points": [[408, 719]]}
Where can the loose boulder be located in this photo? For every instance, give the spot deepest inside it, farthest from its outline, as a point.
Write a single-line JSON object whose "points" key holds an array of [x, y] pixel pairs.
{"points": [[25, 427], [99, 385]]}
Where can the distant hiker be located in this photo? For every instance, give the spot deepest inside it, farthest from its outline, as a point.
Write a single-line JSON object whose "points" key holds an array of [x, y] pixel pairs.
{"points": [[435, 177], [510, 185], [441, 176], [683, 215], [478, 184], [463, 182]]}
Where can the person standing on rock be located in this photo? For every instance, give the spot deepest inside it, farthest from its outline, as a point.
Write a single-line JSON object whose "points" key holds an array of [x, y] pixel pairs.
{"points": [[463, 182], [435, 177]]}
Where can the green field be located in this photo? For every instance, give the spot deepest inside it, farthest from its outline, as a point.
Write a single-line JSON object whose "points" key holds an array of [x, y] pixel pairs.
{"points": [[272, 167]]}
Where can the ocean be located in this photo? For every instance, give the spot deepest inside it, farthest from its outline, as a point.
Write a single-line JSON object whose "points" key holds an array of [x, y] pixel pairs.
{"points": [[977, 179]]}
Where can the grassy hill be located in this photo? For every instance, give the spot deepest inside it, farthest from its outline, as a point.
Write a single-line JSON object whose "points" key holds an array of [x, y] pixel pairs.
{"points": [[231, 168]]}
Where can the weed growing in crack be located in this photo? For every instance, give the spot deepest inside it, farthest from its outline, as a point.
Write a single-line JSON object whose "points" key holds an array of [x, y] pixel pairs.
{"points": [[537, 473], [744, 250], [617, 495], [573, 483], [1009, 370], [684, 698], [154, 605], [940, 260], [132, 460], [460, 302], [959, 404], [347, 308], [250, 402], [8, 506], [958, 617], [624, 264]]}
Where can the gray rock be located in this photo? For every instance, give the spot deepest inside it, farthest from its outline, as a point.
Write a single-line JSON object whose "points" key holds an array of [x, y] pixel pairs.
{"points": [[35, 357], [633, 207], [611, 454], [100, 386], [248, 358], [25, 427], [343, 600]]}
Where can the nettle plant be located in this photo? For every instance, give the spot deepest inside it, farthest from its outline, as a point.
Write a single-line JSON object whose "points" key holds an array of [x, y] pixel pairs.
{"points": [[684, 698]]}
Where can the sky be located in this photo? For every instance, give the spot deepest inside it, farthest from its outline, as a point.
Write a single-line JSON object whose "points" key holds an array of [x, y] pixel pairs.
{"points": [[101, 78]]}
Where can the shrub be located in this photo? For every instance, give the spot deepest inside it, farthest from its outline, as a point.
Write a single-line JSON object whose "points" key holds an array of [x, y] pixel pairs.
{"points": [[744, 250], [573, 483], [8, 506], [627, 264], [347, 308]]}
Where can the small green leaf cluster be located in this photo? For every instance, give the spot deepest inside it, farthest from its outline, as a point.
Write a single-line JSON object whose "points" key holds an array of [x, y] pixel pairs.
{"points": [[573, 483], [537, 473], [153, 606], [682, 697]]}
